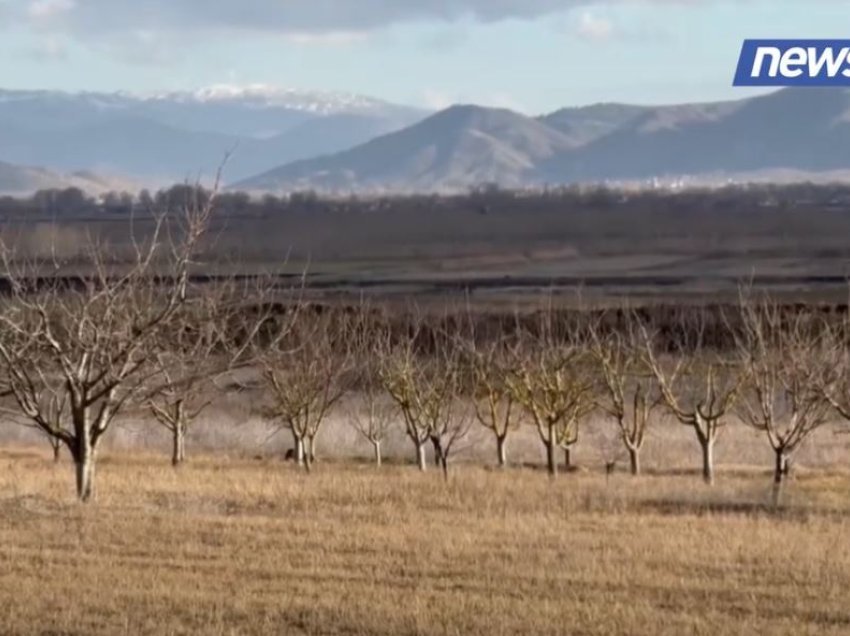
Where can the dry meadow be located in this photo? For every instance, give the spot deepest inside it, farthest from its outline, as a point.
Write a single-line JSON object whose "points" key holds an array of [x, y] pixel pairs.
{"points": [[242, 543]]}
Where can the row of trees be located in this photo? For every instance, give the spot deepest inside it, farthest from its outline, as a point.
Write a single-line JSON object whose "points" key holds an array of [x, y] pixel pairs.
{"points": [[73, 203], [79, 350]]}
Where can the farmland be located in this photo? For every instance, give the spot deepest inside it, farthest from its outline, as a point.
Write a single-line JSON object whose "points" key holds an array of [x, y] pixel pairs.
{"points": [[254, 453], [228, 545]]}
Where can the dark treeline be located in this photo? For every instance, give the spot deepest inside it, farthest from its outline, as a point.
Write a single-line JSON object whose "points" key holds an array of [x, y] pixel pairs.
{"points": [[677, 327], [74, 203]]}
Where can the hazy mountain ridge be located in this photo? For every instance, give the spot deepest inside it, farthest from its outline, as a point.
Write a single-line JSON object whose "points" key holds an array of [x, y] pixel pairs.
{"points": [[797, 130], [172, 136], [23, 180], [454, 148], [787, 132], [286, 140], [584, 124]]}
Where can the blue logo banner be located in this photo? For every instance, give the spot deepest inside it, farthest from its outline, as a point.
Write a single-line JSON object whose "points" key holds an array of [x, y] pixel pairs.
{"points": [[794, 63]]}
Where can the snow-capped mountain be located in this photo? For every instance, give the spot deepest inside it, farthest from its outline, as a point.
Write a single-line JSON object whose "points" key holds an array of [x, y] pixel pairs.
{"points": [[175, 135], [268, 96]]}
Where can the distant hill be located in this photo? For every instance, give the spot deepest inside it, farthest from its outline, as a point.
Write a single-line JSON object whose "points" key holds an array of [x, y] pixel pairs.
{"points": [[801, 130], [173, 136], [23, 180], [459, 146], [787, 132], [588, 123]]}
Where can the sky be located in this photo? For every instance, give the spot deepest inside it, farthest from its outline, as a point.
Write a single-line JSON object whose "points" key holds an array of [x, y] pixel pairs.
{"points": [[530, 55]]}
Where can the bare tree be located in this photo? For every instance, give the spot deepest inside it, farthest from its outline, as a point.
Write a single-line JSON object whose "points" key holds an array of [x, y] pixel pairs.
{"points": [[451, 429], [783, 355], [629, 393], [86, 338], [189, 354], [495, 404], [553, 381], [425, 382], [698, 385], [375, 414], [373, 420], [835, 382], [399, 372], [450, 416], [306, 370]]}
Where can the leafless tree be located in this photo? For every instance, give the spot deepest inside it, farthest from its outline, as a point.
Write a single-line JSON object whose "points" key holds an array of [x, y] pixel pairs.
{"points": [[835, 382], [426, 383], [629, 393], [785, 357], [450, 430], [495, 405], [190, 353], [449, 382], [374, 419], [698, 385], [399, 371], [375, 414], [553, 381], [85, 339], [307, 370]]}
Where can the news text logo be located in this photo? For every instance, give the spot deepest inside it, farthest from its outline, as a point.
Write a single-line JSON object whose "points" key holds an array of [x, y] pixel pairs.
{"points": [[794, 63]]}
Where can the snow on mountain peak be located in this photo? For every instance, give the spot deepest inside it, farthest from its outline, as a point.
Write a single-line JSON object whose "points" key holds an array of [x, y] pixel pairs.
{"points": [[255, 96], [266, 95]]}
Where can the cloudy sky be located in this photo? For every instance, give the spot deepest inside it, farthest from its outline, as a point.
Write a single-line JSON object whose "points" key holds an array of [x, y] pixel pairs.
{"points": [[532, 55]]}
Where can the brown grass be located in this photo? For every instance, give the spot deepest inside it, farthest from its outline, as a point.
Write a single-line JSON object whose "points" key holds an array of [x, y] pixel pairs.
{"points": [[226, 546]]}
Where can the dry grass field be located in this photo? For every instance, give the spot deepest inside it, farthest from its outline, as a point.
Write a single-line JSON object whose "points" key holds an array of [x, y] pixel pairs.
{"points": [[230, 545]]}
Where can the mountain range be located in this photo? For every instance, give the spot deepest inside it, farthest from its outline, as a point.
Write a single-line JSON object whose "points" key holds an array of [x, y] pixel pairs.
{"points": [[286, 140], [174, 136], [789, 131]]}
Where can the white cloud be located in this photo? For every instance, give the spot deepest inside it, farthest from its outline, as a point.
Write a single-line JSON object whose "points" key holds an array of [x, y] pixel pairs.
{"points": [[281, 16], [154, 30], [591, 27], [331, 38], [49, 9]]}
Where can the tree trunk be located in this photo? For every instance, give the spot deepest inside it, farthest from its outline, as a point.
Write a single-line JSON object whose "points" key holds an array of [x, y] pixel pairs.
{"points": [[309, 456], [57, 448], [444, 463], [84, 461], [634, 460], [438, 451], [501, 443], [178, 451], [420, 456], [780, 472], [311, 448], [707, 444], [299, 451], [568, 459], [377, 446], [551, 447]]}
